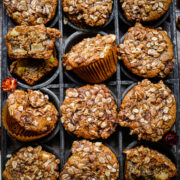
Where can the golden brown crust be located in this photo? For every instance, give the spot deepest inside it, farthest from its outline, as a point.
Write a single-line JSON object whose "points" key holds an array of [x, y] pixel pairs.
{"points": [[31, 42], [144, 163], [88, 13], [89, 112], [31, 12], [90, 161], [33, 71], [32, 111], [32, 163], [93, 59], [144, 10], [149, 110], [147, 52]]}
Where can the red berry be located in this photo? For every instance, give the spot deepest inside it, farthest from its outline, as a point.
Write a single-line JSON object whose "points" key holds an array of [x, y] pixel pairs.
{"points": [[170, 139], [9, 84]]}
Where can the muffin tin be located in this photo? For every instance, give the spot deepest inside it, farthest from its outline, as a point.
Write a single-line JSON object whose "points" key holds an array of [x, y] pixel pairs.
{"points": [[119, 84]]}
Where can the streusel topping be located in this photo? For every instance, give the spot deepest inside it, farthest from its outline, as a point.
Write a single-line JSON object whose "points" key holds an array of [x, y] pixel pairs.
{"points": [[89, 112], [91, 13], [144, 163], [31, 12], [144, 10], [90, 161], [32, 163], [89, 50], [149, 110], [147, 52], [32, 110]]}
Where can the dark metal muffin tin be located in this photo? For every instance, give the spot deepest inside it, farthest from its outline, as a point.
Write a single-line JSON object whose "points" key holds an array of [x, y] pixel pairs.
{"points": [[118, 84]]}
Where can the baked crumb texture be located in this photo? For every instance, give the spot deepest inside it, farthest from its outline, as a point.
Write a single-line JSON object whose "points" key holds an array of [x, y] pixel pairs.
{"points": [[93, 59], [144, 163], [149, 110], [87, 13], [31, 42], [144, 10], [90, 161], [32, 71], [31, 12], [32, 163], [89, 112], [147, 52]]}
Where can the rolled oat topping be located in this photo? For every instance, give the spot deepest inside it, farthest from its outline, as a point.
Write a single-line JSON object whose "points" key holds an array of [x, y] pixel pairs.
{"points": [[88, 13], [31, 12], [144, 10], [147, 52], [90, 161], [32, 163], [144, 163], [149, 110], [89, 50], [32, 110], [89, 112], [31, 42]]}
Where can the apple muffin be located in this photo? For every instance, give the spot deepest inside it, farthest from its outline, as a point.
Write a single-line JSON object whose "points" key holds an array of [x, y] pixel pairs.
{"points": [[32, 163], [144, 163], [144, 10], [33, 71], [89, 112], [31, 12], [149, 110], [29, 115], [90, 161], [147, 52], [31, 42], [87, 13], [93, 59]]}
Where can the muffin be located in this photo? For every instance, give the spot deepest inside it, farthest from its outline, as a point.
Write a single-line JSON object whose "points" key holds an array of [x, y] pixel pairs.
{"points": [[149, 110], [145, 10], [33, 71], [32, 163], [87, 13], [93, 59], [90, 161], [89, 112], [144, 163], [27, 12], [147, 52], [29, 115], [31, 42]]}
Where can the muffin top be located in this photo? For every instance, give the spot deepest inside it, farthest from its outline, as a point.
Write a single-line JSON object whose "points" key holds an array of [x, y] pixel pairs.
{"points": [[32, 163], [31, 42], [31, 12], [32, 110], [144, 163], [147, 52], [89, 50], [88, 13], [90, 161], [144, 10], [89, 112], [149, 110]]}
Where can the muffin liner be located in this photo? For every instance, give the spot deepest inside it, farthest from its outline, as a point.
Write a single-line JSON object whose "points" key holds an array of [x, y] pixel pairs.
{"points": [[100, 70], [18, 132]]}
